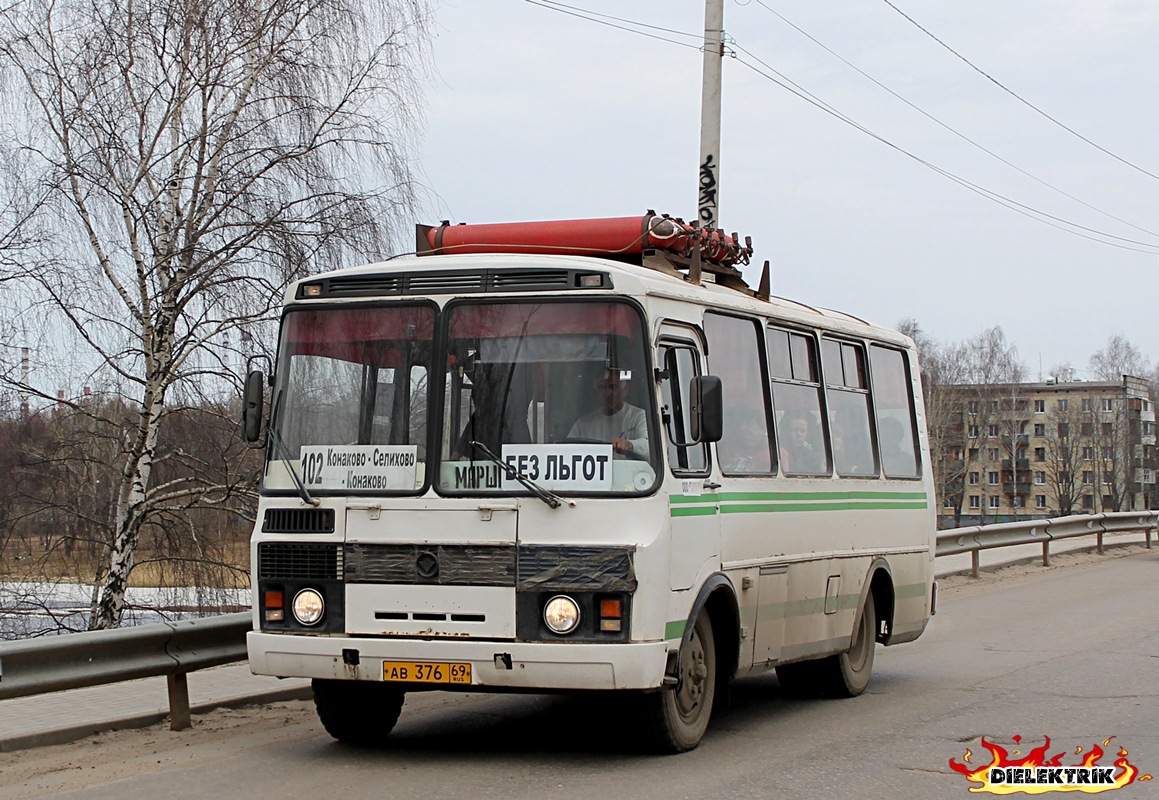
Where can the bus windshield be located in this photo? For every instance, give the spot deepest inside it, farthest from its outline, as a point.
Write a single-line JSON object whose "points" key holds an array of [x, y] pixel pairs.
{"points": [[557, 391], [350, 404]]}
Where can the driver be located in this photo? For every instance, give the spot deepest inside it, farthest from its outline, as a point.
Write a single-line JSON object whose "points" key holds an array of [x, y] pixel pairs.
{"points": [[622, 424]]}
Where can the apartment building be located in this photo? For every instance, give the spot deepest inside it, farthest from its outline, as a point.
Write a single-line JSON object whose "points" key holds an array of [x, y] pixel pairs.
{"points": [[1014, 451]]}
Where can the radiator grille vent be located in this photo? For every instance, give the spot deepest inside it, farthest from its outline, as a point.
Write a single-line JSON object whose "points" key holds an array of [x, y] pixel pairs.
{"points": [[457, 282], [291, 561], [298, 520]]}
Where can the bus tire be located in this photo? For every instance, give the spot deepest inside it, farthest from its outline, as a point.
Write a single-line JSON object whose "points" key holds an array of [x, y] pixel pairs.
{"points": [[847, 674], [358, 713], [676, 717]]}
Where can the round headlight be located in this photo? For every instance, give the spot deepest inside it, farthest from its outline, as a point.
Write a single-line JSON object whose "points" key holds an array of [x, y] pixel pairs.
{"points": [[308, 607], [561, 614]]}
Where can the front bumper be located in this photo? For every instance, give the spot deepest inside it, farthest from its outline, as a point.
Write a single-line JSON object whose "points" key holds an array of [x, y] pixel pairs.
{"points": [[494, 664]]}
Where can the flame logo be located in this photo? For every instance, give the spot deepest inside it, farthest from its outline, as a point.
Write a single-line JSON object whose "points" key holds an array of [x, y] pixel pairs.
{"points": [[1001, 759]]}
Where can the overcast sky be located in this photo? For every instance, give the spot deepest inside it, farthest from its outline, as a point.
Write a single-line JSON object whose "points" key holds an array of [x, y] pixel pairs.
{"points": [[535, 114]]}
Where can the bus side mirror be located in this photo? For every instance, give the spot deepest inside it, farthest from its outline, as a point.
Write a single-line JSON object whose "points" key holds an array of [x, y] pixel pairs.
{"points": [[251, 406], [707, 408]]}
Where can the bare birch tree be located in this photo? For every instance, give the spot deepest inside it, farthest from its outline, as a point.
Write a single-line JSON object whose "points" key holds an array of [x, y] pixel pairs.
{"points": [[1118, 358], [193, 156]]}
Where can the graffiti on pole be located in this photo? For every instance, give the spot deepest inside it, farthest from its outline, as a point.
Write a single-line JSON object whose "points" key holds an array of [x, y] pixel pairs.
{"points": [[708, 192]]}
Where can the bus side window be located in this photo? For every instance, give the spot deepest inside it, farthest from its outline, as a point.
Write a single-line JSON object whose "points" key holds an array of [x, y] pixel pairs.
{"points": [[895, 415], [681, 365], [734, 352], [796, 384], [847, 392]]}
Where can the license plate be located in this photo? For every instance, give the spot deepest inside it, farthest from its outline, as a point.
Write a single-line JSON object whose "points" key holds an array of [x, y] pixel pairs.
{"points": [[426, 672]]}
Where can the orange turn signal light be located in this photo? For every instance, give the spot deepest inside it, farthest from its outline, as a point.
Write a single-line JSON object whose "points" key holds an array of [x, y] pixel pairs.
{"points": [[611, 608]]}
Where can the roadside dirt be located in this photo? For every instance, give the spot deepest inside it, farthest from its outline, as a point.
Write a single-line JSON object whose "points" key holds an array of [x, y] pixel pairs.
{"points": [[223, 733]]}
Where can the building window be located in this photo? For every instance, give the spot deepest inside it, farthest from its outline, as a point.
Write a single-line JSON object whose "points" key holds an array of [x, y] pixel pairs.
{"points": [[1040, 454], [992, 430], [1088, 404], [1039, 429], [973, 453], [1039, 406], [1088, 453], [992, 405], [1040, 478], [1064, 478], [994, 454], [995, 501], [1088, 501], [972, 406], [1109, 404], [1108, 429], [992, 478], [1087, 428], [1061, 404], [1108, 501], [1108, 453], [1019, 501], [948, 502], [1088, 477], [1063, 430], [974, 478], [1040, 501], [973, 432], [975, 501], [1108, 476]]}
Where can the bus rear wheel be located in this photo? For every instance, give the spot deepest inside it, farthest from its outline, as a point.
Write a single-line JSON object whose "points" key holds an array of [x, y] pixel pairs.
{"points": [[676, 717], [359, 713], [847, 674]]}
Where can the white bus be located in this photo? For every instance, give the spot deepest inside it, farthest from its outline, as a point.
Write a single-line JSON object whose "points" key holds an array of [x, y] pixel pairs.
{"points": [[582, 456]]}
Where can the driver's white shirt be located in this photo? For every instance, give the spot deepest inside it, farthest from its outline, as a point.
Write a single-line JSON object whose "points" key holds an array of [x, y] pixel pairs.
{"points": [[627, 423]]}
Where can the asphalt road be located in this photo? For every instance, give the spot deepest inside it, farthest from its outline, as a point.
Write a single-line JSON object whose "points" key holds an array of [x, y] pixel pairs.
{"points": [[1069, 653]]}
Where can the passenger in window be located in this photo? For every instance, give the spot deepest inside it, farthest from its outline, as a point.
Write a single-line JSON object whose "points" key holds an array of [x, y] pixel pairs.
{"points": [[895, 458], [615, 421], [745, 445], [852, 452], [798, 455]]}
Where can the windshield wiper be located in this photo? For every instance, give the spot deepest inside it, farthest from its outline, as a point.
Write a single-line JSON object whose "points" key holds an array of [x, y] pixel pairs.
{"points": [[301, 487], [547, 496]]}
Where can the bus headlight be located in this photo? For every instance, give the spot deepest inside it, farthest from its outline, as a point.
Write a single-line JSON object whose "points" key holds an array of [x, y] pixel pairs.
{"points": [[561, 614], [308, 607]]}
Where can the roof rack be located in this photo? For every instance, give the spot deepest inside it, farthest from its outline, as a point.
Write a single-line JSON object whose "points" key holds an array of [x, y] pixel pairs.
{"points": [[659, 242]]}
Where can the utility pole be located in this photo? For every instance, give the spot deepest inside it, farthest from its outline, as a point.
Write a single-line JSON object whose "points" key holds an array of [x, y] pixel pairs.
{"points": [[709, 184]]}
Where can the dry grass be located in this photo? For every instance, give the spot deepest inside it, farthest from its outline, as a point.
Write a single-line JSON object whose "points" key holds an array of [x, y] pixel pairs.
{"points": [[226, 568]]}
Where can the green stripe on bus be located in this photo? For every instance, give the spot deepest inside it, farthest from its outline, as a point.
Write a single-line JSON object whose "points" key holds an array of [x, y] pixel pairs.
{"points": [[674, 630], [764, 508], [771, 502], [696, 511]]}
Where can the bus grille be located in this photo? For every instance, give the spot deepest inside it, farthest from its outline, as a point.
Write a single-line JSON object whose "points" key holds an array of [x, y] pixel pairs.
{"points": [[298, 520], [292, 561]]}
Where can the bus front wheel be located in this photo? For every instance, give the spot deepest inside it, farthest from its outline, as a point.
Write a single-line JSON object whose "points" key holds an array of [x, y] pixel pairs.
{"points": [[359, 713], [677, 717]]}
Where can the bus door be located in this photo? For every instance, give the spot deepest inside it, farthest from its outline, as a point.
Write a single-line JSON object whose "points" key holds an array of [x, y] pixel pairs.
{"points": [[751, 539], [694, 504]]}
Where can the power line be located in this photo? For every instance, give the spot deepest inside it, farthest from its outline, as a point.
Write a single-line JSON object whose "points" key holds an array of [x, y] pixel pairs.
{"points": [[1021, 208], [949, 128], [1017, 96], [610, 21], [1073, 228]]}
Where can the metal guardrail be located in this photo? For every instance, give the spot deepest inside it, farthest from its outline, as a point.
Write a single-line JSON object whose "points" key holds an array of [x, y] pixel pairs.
{"points": [[93, 658], [977, 538], [174, 649]]}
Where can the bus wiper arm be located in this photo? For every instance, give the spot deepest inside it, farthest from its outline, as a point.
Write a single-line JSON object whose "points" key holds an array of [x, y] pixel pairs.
{"points": [[547, 496], [302, 492]]}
